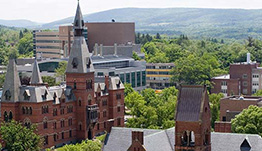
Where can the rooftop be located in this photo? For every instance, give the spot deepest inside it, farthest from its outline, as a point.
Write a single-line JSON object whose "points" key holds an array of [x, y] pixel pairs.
{"points": [[227, 76]]}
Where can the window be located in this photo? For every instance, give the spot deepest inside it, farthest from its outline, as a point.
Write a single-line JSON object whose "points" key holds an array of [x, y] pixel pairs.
{"points": [[122, 77], [26, 96], [54, 98], [7, 95], [23, 110], [223, 83], [79, 102], [104, 113], [45, 124], [255, 76], [55, 112], [70, 121], [5, 116], [143, 78], [62, 123], [223, 90], [62, 111], [245, 83], [55, 137], [127, 77], [98, 126], [104, 102], [80, 126], [244, 76], [223, 118], [45, 140], [75, 63], [88, 84], [44, 109], [63, 135], [54, 125], [138, 76], [70, 133], [244, 91], [69, 109], [118, 96], [44, 95], [118, 109], [255, 84], [133, 77], [30, 111], [89, 99], [104, 124], [119, 121]]}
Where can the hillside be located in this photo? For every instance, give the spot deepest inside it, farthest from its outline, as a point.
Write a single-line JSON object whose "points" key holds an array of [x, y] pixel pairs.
{"points": [[21, 23], [194, 22]]}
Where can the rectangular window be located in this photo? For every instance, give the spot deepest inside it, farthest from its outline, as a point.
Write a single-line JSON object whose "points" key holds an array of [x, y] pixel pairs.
{"points": [[127, 77], [244, 76], [245, 83], [100, 74], [119, 121], [133, 76], [70, 133], [104, 113], [118, 109], [143, 78], [224, 118], [224, 83], [244, 91], [118, 96], [138, 76], [122, 78], [62, 135]]}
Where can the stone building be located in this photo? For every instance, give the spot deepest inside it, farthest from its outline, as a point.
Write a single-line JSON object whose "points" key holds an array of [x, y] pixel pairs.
{"points": [[79, 110]]}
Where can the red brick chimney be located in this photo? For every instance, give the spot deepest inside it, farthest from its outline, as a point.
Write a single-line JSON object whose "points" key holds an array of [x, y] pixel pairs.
{"points": [[137, 141], [107, 81]]}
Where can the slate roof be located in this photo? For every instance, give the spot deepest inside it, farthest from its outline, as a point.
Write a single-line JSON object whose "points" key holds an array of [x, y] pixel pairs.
{"points": [[78, 21], [36, 76], [115, 83], [164, 140], [189, 103], [12, 82]]}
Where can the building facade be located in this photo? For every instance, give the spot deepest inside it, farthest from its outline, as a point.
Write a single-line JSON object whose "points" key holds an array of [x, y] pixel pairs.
{"points": [[79, 110], [243, 78], [158, 75], [57, 44]]}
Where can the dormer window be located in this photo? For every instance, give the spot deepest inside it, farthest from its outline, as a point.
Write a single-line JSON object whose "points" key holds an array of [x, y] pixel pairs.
{"points": [[44, 95], [88, 63], [7, 95], [118, 84], [26, 95], [74, 63], [245, 146], [54, 98]]}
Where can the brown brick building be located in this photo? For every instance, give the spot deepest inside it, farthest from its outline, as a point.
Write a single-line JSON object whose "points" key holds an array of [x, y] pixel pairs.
{"points": [[243, 78], [69, 113]]}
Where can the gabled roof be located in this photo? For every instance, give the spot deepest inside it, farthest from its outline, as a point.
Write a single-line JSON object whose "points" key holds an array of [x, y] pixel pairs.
{"points": [[190, 103], [115, 83], [12, 83], [164, 140], [36, 76]]}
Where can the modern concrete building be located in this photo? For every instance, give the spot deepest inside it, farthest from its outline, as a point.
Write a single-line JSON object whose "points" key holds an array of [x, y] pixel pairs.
{"points": [[57, 44], [243, 78], [70, 113], [158, 75]]}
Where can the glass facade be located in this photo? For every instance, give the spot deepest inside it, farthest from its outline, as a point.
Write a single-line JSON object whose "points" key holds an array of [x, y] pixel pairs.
{"points": [[122, 78], [143, 78], [133, 76], [127, 77], [138, 75]]}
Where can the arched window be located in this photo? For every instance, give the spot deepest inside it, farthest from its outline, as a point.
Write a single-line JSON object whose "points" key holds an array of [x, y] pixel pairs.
{"points": [[23, 110], [5, 116], [184, 139], [74, 84], [80, 126], [7, 95], [192, 138], [10, 116], [79, 102], [89, 99], [206, 138], [30, 111], [54, 98], [26, 110], [45, 124]]}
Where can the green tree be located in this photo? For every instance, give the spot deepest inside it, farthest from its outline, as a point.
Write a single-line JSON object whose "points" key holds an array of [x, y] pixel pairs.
{"points": [[214, 101], [49, 80], [87, 145], [25, 44], [128, 89], [258, 93], [135, 56], [18, 138], [2, 80], [249, 121], [158, 36], [60, 71]]}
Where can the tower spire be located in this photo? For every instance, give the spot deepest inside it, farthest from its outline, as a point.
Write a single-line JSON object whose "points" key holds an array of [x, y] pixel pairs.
{"points": [[79, 58], [12, 83], [78, 22], [36, 76]]}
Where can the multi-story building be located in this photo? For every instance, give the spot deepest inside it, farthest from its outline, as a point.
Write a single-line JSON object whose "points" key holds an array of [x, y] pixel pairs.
{"points": [[76, 111], [57, 44], [243, 78], [158, 75], [191, 133]]}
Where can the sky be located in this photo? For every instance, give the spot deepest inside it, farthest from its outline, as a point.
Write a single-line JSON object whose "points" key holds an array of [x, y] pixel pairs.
{"points": [[44, 11]]}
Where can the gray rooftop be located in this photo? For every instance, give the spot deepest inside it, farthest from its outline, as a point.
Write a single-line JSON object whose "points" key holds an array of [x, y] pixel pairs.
{"points": [[36, 76], [164, 140]]}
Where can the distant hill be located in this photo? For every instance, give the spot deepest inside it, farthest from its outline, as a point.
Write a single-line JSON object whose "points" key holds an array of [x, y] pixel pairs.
{"points": [[194, 22], [21, 23]]}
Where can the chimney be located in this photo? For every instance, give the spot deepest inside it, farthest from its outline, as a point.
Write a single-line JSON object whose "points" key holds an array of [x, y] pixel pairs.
{"points": [[96, 49], [101, 49], [248, 58], [115, 49], [107, 80], [138, 136]]}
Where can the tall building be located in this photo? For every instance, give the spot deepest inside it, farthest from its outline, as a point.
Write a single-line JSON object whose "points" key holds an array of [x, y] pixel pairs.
{"points": [[243, 78], [57, 44], [192, 131], [79, 110], [158, 75]]}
